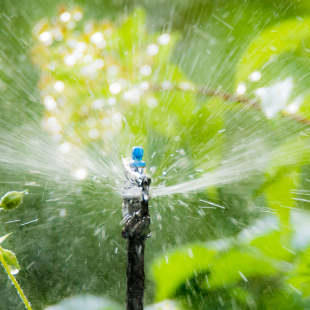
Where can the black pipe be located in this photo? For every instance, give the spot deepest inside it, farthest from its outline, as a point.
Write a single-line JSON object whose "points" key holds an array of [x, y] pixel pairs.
{"points": [[136, 230], [135, 274]]}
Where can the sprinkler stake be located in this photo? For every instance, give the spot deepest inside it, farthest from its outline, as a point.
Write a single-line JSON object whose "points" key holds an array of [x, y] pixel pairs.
{"points": [[136, 226]]}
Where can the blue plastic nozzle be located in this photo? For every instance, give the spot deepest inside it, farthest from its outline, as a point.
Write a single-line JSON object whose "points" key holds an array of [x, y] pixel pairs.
{"points": [[137, 153]]}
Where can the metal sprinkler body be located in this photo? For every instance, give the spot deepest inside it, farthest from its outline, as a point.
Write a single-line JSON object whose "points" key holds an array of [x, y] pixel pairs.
{"points": [[136, 225]]}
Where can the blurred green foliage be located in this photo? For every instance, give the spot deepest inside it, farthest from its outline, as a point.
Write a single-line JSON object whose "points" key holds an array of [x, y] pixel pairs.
{"points": [[197, 256]]}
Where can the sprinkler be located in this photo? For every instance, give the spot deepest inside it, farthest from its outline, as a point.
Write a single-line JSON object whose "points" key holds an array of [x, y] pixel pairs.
{"points": [[136, 225]]}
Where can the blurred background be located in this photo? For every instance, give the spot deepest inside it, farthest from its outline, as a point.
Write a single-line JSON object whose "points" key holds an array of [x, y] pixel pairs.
{"points": [[222, 111]]}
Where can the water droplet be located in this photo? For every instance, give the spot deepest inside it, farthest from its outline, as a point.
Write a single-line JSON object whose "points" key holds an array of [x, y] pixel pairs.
{"points": [[98, 40], [50, 103], [80, 174], [115, 88], [185, 86], [243, 276], [164, 39], [294, 106], [152, 49], [241, 89], [190, 253], [146, 70], [98, 63], [80, 47], [144, 85], [65, 17], [59, 86], [62, 212], [46, 38], [78, 15], [255, 76], [132, 95], [70, 60], [14, 271], [65, 147]]}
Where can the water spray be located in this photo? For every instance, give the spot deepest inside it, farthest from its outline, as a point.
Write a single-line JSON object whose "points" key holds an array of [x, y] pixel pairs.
{"points": [[136, 225]]}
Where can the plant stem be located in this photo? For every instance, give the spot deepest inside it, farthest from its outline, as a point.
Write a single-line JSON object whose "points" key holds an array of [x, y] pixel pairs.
{"points": [[15, 283], [254, 104]]}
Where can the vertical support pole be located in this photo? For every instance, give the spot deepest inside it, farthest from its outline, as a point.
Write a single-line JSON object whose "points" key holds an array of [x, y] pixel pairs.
{"points": [[136, 220], [136, 230], [135, 273]]}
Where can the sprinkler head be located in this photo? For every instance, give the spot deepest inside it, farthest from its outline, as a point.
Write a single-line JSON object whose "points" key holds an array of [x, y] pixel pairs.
{"points": [[137, 153], [135, 194], [137, 163]]}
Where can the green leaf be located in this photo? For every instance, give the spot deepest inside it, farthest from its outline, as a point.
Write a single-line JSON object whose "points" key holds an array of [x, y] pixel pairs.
{"points": [[255, 252], [172, 270], [130, 33], [237, 265], [224, 268], [283, 37], [11, 260], [286, 299], [272, 245], [300, 275], [279, 194], [85, 302], [283, 177]]}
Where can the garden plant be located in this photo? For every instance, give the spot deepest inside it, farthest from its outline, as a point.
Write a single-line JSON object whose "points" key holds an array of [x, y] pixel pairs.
{"points": [[216, 92]]}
